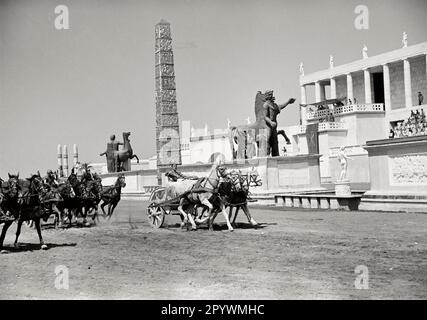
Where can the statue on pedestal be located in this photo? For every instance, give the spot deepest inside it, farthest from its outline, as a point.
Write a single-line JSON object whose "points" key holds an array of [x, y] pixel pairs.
{"points": [[365, 52], [273, 109], [112, 146], [263, 132], [405, 39], [301, 69], [118, 160], [342, 158]]}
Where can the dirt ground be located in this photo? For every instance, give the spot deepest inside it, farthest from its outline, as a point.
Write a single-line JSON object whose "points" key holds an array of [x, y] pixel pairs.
{"points": [[301, 254]]}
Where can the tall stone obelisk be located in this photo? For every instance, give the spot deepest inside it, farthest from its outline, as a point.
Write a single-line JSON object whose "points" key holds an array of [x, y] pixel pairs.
{"points": [[167, 121]]}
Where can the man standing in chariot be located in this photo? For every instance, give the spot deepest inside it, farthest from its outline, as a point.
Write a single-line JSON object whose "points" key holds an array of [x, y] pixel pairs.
{"points": [[174, 174]]}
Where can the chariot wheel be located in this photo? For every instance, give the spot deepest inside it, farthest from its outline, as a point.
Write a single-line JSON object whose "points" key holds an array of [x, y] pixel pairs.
{"points": [[156, 216]]}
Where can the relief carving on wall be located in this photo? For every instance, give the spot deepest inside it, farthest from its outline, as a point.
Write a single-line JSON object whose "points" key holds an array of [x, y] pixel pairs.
{"points": [[408, 169]]}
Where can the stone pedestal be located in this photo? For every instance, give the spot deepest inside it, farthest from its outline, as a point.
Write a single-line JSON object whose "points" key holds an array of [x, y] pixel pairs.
{"points": [[398, 175], [342, 188]]}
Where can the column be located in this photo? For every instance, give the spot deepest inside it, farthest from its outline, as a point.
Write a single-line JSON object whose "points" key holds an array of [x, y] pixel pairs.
{"points": [[75, 155], [303, 110], [317, 91], [368, 92], [387, 98], [59, 159], [333, 88], [322, 93], [65, 160], [349, 87], [387, 93], [303, 95], [407, 80]]}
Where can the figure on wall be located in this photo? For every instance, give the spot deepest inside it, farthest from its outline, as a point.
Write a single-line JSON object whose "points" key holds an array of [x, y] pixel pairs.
{"points": [[405, 39], [365, 52], [342, 158]]}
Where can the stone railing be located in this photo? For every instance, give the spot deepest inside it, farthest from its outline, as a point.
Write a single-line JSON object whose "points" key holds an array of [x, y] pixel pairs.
{"points": [[324, 126], [375, 107], [318, 114]]}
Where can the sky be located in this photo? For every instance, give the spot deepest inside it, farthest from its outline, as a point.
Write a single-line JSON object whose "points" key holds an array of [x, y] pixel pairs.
{"points": [[81, 85]]}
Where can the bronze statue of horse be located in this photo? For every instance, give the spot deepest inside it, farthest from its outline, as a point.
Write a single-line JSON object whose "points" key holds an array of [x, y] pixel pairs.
{"points": [[122, 156]]}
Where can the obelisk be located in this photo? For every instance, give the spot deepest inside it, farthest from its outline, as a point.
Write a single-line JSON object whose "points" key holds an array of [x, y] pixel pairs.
{"points": [[167, 121]]}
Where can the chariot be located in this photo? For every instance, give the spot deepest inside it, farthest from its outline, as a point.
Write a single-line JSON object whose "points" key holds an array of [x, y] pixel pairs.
{"points": [[161, 204]]}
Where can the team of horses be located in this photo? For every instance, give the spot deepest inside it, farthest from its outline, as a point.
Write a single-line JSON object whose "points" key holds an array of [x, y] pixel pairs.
{"points": [[34, 199], [201, 201]]}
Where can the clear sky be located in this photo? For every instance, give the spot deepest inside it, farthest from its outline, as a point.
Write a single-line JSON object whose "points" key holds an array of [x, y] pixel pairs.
{"points": [[83, 84]]}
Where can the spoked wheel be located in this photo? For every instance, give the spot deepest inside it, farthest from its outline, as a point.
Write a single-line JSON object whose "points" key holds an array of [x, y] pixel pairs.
{"points": [[156, 216]]}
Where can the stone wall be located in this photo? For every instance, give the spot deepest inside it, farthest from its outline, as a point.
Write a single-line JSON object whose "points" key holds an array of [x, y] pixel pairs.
{"points": [[341, 83], [397, 86], [418, 78], [359, 87]]}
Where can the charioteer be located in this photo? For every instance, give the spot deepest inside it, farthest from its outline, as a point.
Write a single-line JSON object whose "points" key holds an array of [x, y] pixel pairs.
{"points": [[174, 174]]}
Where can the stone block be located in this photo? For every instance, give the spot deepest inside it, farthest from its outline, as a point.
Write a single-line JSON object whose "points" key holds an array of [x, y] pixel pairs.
{"points": [[289, 202], [297, 202], [342, 189], [324, 203], [333, 204], [280, 201], [314, 203], [305, 202]]}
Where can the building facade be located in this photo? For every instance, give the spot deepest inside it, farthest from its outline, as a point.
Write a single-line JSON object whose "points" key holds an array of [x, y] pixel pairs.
{"points": [[378, 92]]}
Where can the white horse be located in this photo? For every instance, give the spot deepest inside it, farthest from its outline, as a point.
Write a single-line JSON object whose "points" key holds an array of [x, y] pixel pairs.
{"points": [[205, 192]]}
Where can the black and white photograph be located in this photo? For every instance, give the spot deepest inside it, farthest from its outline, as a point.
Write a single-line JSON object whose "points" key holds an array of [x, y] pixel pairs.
{"points": [[232, 152]]}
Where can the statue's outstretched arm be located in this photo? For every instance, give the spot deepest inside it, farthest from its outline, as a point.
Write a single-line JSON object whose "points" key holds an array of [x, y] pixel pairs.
{"points": [[290, 101], [103, 154]]}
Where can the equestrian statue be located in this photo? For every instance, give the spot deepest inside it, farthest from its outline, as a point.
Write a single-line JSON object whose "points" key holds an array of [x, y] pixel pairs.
{"points": [[119, 160]]}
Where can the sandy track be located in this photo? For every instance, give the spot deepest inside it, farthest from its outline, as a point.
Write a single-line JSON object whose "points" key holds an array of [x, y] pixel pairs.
{"points": [[295, 255]]}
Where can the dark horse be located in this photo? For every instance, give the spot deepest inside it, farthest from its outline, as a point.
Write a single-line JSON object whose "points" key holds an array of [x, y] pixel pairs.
{"points": [[94, 186], [84, 197], [111, 195], [30, 205]]}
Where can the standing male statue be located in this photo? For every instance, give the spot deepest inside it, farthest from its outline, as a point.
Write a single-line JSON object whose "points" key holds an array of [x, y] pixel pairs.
{"points": [[272, 110], [342, 158], [112, 146]]}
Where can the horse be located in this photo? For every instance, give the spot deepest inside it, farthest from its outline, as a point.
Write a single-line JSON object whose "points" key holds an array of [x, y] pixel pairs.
{"points": [[240, 193], [9, 192], [111, 195], [94, 186], [125, 154], [30, 206], [234, 193], [84, 196], [70, 202], [204, 192], [51, 197]]}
